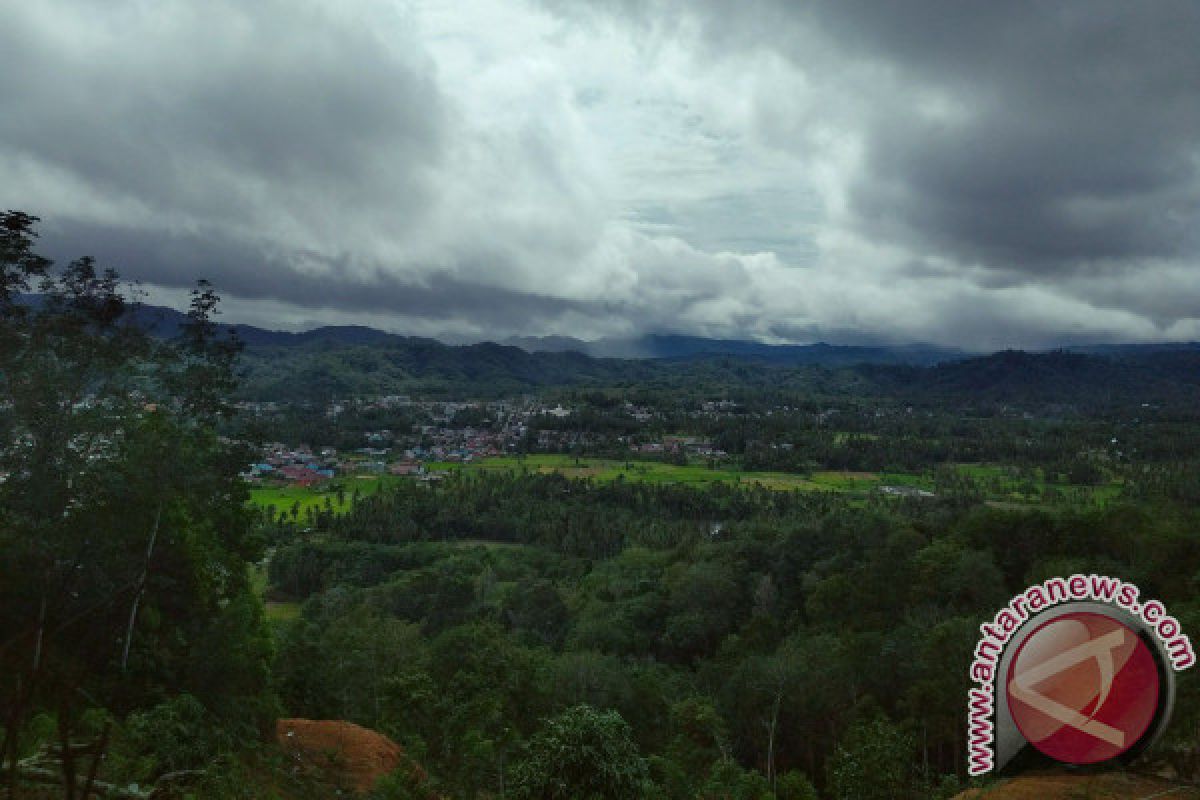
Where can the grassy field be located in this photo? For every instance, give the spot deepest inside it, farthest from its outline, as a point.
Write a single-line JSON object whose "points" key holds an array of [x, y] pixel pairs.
{"points": [[284, 497], [1009, 486], [999, 483], [692, 474], [275, 611]]}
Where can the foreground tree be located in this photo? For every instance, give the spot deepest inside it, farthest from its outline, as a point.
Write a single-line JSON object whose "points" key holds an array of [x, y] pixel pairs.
{"points": [[582, 754], [874, 761], [124, 537]]}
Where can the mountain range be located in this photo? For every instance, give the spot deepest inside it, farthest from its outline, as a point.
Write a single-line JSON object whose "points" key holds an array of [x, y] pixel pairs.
{"points": [[347, 361], [163, 321]]}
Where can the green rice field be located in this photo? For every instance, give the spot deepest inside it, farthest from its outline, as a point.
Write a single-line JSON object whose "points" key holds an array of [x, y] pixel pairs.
{"points": [[1000, 484], [692, 474], [283, 498]]}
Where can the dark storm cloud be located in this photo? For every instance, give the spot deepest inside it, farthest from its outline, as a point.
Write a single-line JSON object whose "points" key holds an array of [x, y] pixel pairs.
{"points": [[975, 173], [1079, 144], [1066, 135], [296, 116], [261, 114], [243, 270]]}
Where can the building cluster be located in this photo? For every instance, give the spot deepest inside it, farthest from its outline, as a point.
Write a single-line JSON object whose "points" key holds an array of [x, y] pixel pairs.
{"points": [[442, 436], [299, 466], [681, 445]]}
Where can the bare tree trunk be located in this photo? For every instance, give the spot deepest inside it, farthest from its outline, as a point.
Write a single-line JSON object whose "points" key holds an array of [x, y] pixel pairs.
{"points": [[11, 745], [771, 737], [68, 756], [141, 588], [97, 757], [38, 774], [11, 753], [925, 747], [41, 631], [17, 714]]}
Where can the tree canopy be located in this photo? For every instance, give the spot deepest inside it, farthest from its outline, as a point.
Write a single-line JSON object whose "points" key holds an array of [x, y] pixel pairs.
{"points": [[123, 522]]}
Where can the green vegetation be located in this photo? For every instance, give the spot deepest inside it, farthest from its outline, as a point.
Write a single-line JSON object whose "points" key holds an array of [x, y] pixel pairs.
{"points": [[319, 370], [128, 624], [739, 631], [994, 482], [581, 754], [335, 495], [603, 470], [276, 611]]}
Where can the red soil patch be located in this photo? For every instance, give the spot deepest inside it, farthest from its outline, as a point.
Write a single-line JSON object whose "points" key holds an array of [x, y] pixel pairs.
{"points": [[1105, 786], [358, 756]]}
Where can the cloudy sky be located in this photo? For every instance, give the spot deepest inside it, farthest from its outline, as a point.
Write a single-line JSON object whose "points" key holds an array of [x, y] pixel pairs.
{"points": [[979, 174]]}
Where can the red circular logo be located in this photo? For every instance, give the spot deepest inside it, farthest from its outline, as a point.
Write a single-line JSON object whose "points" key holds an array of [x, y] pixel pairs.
{"points": [[1083, 688]]}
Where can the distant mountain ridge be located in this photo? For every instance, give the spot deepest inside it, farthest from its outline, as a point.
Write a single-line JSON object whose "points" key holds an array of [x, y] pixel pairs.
{"points": [[165, 322], [162, 321], [1149, 376], [350, 360], [322, 371], [679, 346]]}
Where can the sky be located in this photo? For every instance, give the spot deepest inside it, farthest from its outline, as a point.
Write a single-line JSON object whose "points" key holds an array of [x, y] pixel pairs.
{"points": [[967, 173]]}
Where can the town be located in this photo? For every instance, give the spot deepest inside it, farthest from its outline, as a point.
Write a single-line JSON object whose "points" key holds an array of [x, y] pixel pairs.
{"points": [[447, 433]]}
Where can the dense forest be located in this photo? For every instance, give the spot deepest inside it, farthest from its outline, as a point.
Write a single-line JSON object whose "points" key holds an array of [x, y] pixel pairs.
{"points": [[324, 369], [753, 641]]}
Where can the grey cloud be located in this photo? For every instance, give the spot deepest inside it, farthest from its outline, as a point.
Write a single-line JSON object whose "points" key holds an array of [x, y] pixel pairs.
{"points": [[671, 165], [249, 273], [221, 109], [1071, 134], [1034, 191]]}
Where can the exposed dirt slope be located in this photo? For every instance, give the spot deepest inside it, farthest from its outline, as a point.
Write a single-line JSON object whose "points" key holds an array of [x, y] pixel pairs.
{"points": [[356, 755], [1062, 786]]}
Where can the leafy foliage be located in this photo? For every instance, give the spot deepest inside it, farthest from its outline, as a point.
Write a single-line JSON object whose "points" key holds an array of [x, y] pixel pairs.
{"points": [[581, 754], [123, 525]]}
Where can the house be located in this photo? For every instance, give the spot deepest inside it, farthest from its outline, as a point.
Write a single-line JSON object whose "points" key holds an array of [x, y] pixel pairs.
{"points": [[906, 491], [301, 476]]}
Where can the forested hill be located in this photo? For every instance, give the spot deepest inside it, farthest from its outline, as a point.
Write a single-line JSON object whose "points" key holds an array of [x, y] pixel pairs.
{"points": [[166, 322], [1013, 376], [324, 370], [674, 346], [336, 362]]}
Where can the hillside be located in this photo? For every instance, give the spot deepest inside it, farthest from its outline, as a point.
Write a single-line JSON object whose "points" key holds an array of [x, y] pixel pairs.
{"points": [[676, 346], [320, 370], [1064, 378], [341, 361]]}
